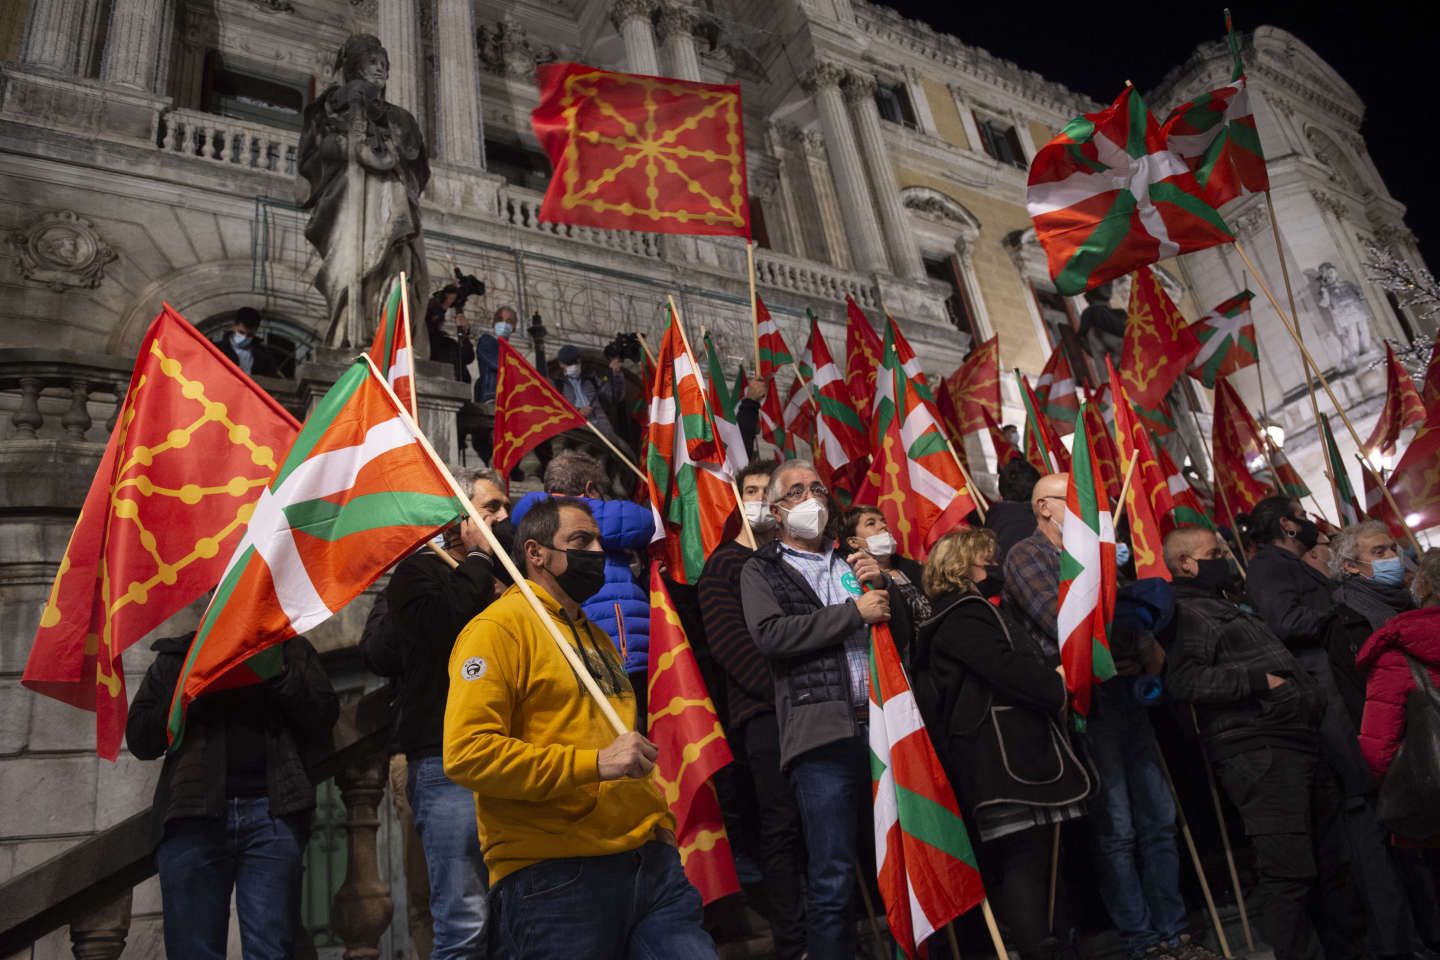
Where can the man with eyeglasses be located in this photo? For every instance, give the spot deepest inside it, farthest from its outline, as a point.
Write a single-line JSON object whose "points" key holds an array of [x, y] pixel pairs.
{"points": [[1032, 566], [806, 610]]}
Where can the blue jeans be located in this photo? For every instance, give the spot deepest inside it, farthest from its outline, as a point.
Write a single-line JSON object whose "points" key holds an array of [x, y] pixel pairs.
{"points": [[625, 906], [201, 859], [450, 836], [832, 787], [1132, 817]]}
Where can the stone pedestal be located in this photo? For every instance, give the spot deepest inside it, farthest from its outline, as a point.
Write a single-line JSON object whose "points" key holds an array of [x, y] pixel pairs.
{"points": [[823, 81]]}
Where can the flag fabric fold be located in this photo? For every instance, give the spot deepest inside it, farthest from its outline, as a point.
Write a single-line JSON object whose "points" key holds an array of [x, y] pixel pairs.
{"points": [[1415, 481], [775, 356], [195, 442], [1158, 344], [1189, 510], [1227, 340], [1058, 392], [862, 356], [925, 865], [357, 492], [392, 350], [1403, 406], [839, 431], [1348, 506], [1235, 440], [1042, 446], [528, 410], [974, 387], [1148, 503], [722, 409], [683, 723]]}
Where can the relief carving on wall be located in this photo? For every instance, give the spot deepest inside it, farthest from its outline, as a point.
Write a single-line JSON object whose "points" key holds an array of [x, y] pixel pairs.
{"points": [[62, 249]]}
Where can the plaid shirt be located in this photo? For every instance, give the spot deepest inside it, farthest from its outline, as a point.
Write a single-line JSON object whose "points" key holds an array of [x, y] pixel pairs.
{"points": [[834, 582], [1032, 588]]}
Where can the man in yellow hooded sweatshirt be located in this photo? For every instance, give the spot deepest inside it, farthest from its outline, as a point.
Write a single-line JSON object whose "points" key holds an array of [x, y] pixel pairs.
{"points": [[578, 840]]}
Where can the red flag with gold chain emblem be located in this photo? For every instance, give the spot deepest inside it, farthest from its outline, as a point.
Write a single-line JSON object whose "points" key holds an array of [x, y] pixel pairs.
{"points": [[1158, 343], [974, 387], [528, 410], [1403, 406], [1415, 481], [1148, 502], [862, 356], [195, 443], [683, 723], [632, 152]]}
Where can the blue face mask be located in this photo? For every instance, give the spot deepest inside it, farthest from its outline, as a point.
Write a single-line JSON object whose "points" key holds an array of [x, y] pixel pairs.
{"points": [[503, 329], [241, 340], [1388, 571], [1122, 554]]}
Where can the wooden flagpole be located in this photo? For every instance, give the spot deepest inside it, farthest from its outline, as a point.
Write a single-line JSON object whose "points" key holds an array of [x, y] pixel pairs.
{"points": [[1195, 857], [754, 301], [748, 537], [616, 451], [443, 554], [516, 575], [1124, 489], [1225, 841], [870, 909], [1000, 952], [1054, 876], [1216, 487]]}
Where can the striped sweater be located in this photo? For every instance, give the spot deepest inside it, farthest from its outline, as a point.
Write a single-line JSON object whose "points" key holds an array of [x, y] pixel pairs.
{"points": [[749, 687]]}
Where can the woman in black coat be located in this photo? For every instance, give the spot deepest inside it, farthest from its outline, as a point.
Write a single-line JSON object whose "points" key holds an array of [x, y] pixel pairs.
{"points": [[996, 711]]}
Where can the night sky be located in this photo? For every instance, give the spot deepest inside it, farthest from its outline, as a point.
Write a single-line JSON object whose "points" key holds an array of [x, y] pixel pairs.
{"points": [[1387, 50]]}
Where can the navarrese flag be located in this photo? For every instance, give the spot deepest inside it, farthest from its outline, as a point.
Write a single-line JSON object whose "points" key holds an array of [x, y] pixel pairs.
{"points": [[1087, 578], [914, 478], [925, 866], [863, 348], [195, 442], [1106, 456], [643, 153], [1227, 340], [1158, 344], [357, 492], [1415, 481], [1234, 439], [392, 351], [1403, 407], [1348, 506], [1215, 135], [974, 387], [1056, 391], [689, 486], [1106, 197], [684, 725], [722, 410], [528, 410], [1148, 501], [1430, 389]]}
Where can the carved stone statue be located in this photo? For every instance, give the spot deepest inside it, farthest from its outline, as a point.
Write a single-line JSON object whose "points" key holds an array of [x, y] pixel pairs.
{"points": [[1348, 310], [365, 163]]}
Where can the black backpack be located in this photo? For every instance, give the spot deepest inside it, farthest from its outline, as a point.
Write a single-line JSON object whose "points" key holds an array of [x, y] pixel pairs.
{"points": [[1407, 806]]}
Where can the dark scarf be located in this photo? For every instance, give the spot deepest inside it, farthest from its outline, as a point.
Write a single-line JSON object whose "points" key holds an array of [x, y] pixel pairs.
{"points": [[1373, 601]]}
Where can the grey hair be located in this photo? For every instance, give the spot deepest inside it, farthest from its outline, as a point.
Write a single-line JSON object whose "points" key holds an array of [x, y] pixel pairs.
{"points": [[571, 471], [1344, 544], [1427, 577], [775, 491], [467, 477]]}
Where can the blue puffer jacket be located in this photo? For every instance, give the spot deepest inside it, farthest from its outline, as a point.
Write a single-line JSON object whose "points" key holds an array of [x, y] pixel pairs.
{"points": [[625, 527]]}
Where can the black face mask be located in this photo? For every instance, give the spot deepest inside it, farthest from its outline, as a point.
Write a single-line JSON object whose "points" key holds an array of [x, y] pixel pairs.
{"points": [[994, 581], [504, 531], [1213, 574], [1308, 535], [584, 574]]}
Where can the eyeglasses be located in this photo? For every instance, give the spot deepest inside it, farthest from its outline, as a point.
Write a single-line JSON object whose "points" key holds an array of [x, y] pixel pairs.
{"points": [[797, 493]]}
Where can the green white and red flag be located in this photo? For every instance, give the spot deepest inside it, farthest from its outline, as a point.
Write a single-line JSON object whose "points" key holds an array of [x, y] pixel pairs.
{"points": [[909, 361], [1235, 441], [1058, 392], [863, 348], [722, 409], [1227, 340], [1005, 451], [1377, 507], [683, 723], [925, 865], [1042, 445], [775, 356], [1430, 389], [1158, 344], [1346, 505], [1148, 501], [799, 413], [1287, 481], [914, 477], [839, 431], [357, 492], [974, 387], [1087, 577], [1403, 406], [1189, 510], [690, 488], [1106, 197], [1215, 135], [392, 350]]}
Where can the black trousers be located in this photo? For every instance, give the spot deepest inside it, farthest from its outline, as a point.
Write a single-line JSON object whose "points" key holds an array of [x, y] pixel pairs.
{"points": [[1016, 870], [780, 844]]}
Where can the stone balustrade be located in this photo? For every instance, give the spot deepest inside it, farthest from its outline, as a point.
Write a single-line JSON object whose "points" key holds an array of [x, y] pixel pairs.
{"points": [[58, 393], [812, 279], [251, 146], [521, 208]]}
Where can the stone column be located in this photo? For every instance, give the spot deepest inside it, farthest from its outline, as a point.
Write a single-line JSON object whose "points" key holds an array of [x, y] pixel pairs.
{"points": [[53, 35], [822, 81], [677, 33], [132, 51], [460, 139], [899, 237], [101, 933], [399, 32], [632, 19]]}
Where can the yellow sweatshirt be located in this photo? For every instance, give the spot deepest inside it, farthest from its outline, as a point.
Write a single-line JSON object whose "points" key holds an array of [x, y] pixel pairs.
{"points": [[522, 733]]}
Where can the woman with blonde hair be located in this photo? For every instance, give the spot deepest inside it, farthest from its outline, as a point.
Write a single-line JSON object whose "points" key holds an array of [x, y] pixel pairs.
{"points": [[996, 712]]}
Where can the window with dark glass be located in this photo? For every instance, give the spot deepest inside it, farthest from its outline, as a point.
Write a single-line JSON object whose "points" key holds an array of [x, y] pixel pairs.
{"points": [[1000, 141], [893, 101], [758, 232], [235, 91], [518, 163], [946, 270]]}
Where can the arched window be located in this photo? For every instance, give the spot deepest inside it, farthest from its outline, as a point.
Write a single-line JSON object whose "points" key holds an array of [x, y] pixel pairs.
{"points": [[291, 342]]}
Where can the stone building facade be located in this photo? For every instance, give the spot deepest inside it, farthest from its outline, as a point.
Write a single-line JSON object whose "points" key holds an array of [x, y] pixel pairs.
{"points": [[148, 152]]}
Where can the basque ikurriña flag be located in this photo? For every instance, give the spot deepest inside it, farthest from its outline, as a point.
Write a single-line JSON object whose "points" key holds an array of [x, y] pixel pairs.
{"points": [[392, 350]]}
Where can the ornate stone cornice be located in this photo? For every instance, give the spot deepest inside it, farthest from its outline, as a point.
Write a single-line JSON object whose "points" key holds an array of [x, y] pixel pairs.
{"points": [[822, 74], [858, 87], [625, 10], [1330, 203], [675, 20], [506, 49]]}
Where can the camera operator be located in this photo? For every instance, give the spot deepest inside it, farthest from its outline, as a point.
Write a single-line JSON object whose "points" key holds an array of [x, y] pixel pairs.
{"points": [[455, 350]]}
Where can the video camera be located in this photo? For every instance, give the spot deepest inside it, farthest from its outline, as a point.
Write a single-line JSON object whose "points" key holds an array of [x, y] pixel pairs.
{"points": [[467, 285], [626, 346]]}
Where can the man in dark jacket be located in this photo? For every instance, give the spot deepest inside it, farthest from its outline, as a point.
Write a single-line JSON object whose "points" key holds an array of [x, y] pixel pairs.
{"points": [[428, 604], [234, 799], [1011, 517], [243, 346], [750, 713], [804, 607], [1258, 713]]}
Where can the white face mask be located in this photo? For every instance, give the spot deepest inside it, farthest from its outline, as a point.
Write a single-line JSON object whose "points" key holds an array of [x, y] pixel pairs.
{"points": [[759, 515], [503, 330], [572, 369], [807, 521], [880, 546]]}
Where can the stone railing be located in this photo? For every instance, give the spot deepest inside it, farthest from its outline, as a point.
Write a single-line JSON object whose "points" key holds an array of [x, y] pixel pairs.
{"points": [[238, 143], [521, 208], [811, 279], [58, 388]]}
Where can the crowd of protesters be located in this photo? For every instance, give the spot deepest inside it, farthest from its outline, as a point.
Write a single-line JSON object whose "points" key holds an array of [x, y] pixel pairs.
{"points": [[1288, 665]]}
